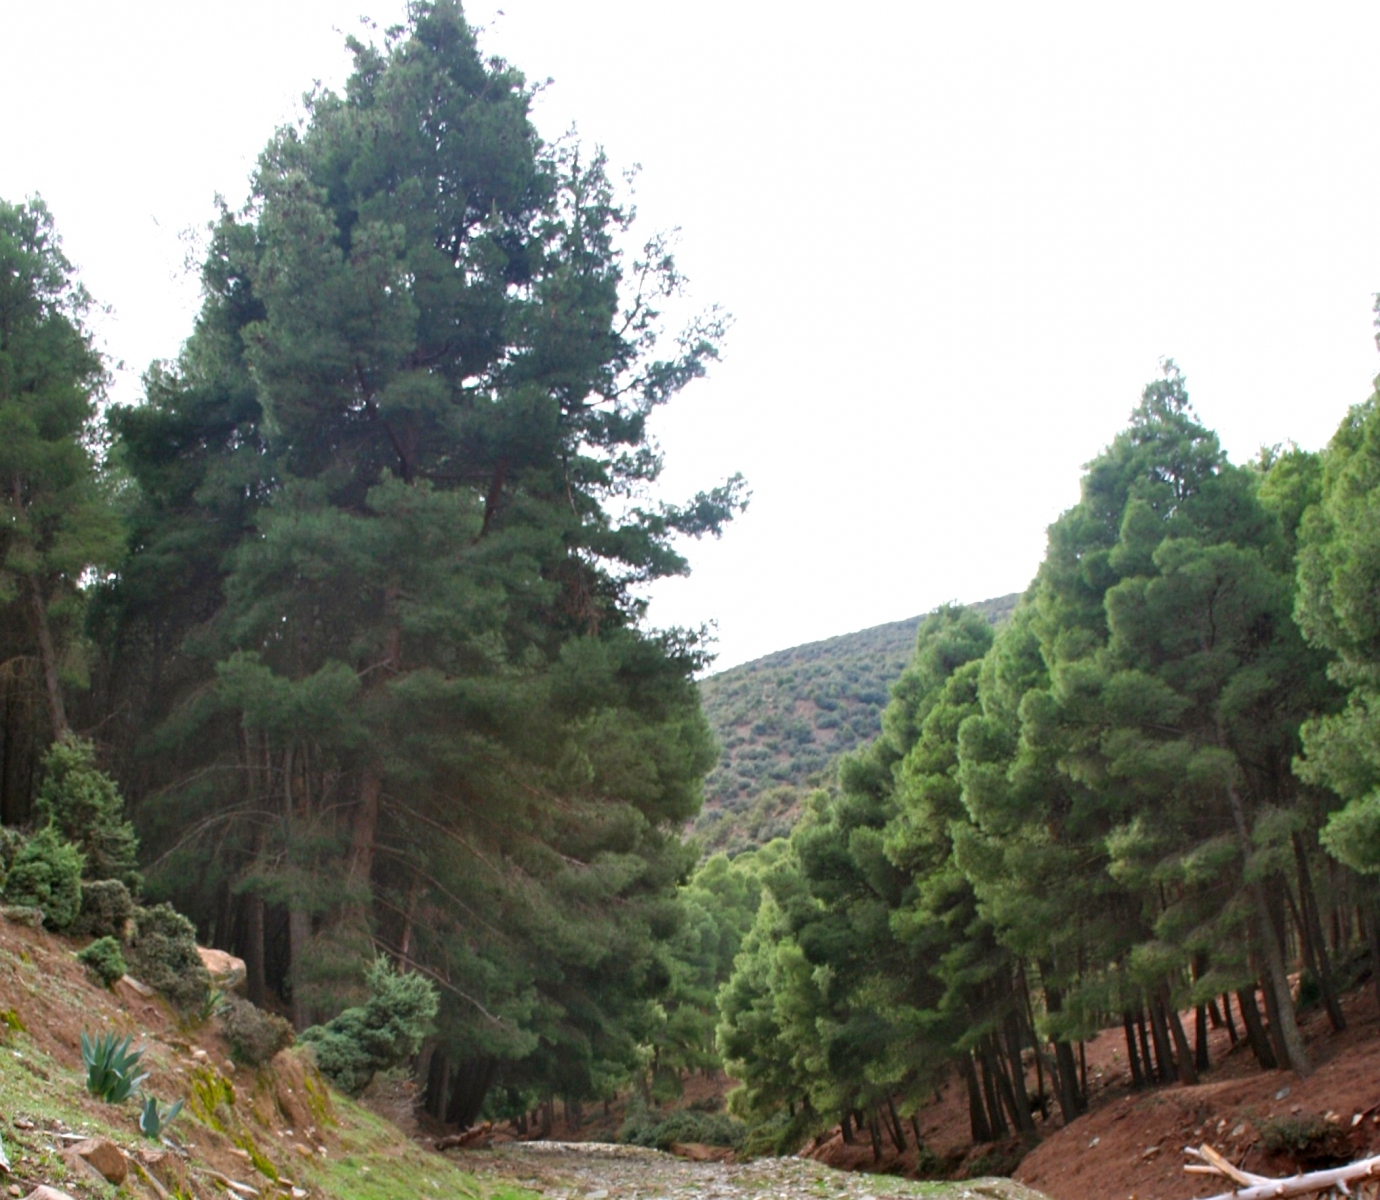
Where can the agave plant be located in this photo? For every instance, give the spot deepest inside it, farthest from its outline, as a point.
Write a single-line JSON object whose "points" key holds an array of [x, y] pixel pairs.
{"points": [[111, 1066], [152, 1122]]}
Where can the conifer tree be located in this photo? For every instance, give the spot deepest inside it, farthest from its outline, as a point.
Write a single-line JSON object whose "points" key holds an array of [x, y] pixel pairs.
{"points": [[407, 447]]}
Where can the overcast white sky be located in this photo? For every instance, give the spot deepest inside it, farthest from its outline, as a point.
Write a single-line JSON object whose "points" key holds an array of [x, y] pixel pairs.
{"points": [[956, 238]]}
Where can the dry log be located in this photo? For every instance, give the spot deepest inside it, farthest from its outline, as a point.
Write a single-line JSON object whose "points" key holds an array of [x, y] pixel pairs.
{"points": [[1258, 1187], [473, 1134]]}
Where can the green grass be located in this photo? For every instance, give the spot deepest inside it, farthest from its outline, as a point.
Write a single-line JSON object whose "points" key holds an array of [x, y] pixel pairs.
{"points": [[375, 1162]]}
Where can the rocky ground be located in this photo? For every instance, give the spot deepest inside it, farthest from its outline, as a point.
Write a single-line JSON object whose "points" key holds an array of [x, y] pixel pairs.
{"points": [[598, 1171]]}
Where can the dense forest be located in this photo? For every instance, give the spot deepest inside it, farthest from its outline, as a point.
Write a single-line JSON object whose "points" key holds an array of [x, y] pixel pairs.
{"points": [[336, 643], [782, 720]]}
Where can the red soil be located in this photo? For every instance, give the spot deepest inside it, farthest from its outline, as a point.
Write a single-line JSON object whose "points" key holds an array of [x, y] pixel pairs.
{"points": [[1129, 1145]]}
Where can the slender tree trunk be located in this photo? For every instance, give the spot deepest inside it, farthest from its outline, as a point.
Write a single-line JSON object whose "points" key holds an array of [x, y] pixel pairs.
{"points": [[898, 1134], [1255, 1029], [1372, 925], [1025, 1122], [1159, 1029], [1308, 902], [1277, 978], [1226, 1017], [1132, 1056], [47, 657], [299, 934], [1151, 1068], [874, 1129], [977, 1116], [996, 1119], [846, 1128], [1020, 1118], [1188, 1076], [1200, 1038]]}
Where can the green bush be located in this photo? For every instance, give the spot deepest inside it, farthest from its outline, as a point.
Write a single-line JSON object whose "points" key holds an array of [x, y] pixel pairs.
{"points": [[1311, 1141], [385, 1032], [11, 842], [85, 807], [163, 955], [106, 907], [255, 1036], [662, 1130], [104, 959], [47, 874]]}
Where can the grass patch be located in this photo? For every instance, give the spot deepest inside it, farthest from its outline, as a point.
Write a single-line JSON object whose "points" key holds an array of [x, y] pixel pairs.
{"points": [[375, 1162]]}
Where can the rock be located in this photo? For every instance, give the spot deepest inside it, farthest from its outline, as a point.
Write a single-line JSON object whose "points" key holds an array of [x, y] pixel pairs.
{"points": [[102, 1154], [139, 989], [22, 914], [44, 1192], [226, 971]]}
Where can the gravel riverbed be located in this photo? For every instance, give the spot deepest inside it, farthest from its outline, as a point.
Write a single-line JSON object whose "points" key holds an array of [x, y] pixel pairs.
{"points": [[598, 1171]]}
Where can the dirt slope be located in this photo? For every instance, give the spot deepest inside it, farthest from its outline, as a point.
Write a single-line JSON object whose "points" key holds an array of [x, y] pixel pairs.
{"points": [[276, 1132]]}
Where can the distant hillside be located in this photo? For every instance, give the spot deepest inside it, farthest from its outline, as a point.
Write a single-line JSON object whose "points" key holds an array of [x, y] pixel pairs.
{"points": [[782, 719]]}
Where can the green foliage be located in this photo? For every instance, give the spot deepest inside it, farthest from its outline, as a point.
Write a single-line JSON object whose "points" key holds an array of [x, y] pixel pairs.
{"points": [[111, 1067], [163, 955], [47, 875], [661, 1130], [255, 1036], [58, 521], [106, 909], [104, 959], [1307, 1139], [382, 1033], [153, 1120], [83, 804]]}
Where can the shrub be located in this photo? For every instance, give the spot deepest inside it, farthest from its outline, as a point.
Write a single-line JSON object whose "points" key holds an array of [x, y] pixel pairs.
{"points": [[106, 907], [47, 875], [163, 955], [385, 1032], [104, 960], [663, 1130], [255, 1036], [1310, 1141], [11, 842], [110, 1067], [85, 807]]}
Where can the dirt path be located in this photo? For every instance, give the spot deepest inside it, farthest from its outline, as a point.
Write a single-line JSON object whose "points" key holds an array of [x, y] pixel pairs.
{"points": [[598, 1171]]}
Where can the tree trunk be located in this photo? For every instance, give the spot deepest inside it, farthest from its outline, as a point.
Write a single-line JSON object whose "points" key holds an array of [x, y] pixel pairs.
{"points": [[47, 657], [1025, 1122], [299, 934], [256, 986], [1277, 978], [1372, 925], [875, 1130], [846, 1128], [1159, 1029], [1200, 1034], [977, 1116], [1226, 1017], [1317, 943], [1255, 1029], [1132, 1056], [898, 1134], [1151, 1073], [1188, 1076], [996, 1119]]}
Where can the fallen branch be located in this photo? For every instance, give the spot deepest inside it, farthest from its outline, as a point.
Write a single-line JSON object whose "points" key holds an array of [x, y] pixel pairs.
{"points": [[1258, 1187], [464, 1139]]}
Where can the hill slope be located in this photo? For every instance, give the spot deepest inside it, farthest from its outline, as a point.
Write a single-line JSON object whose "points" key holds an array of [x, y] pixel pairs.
{"points": [[782, 719]]}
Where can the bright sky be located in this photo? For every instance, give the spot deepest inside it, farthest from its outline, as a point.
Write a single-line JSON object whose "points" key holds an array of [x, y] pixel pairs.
{"points": [[956, 239]]}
